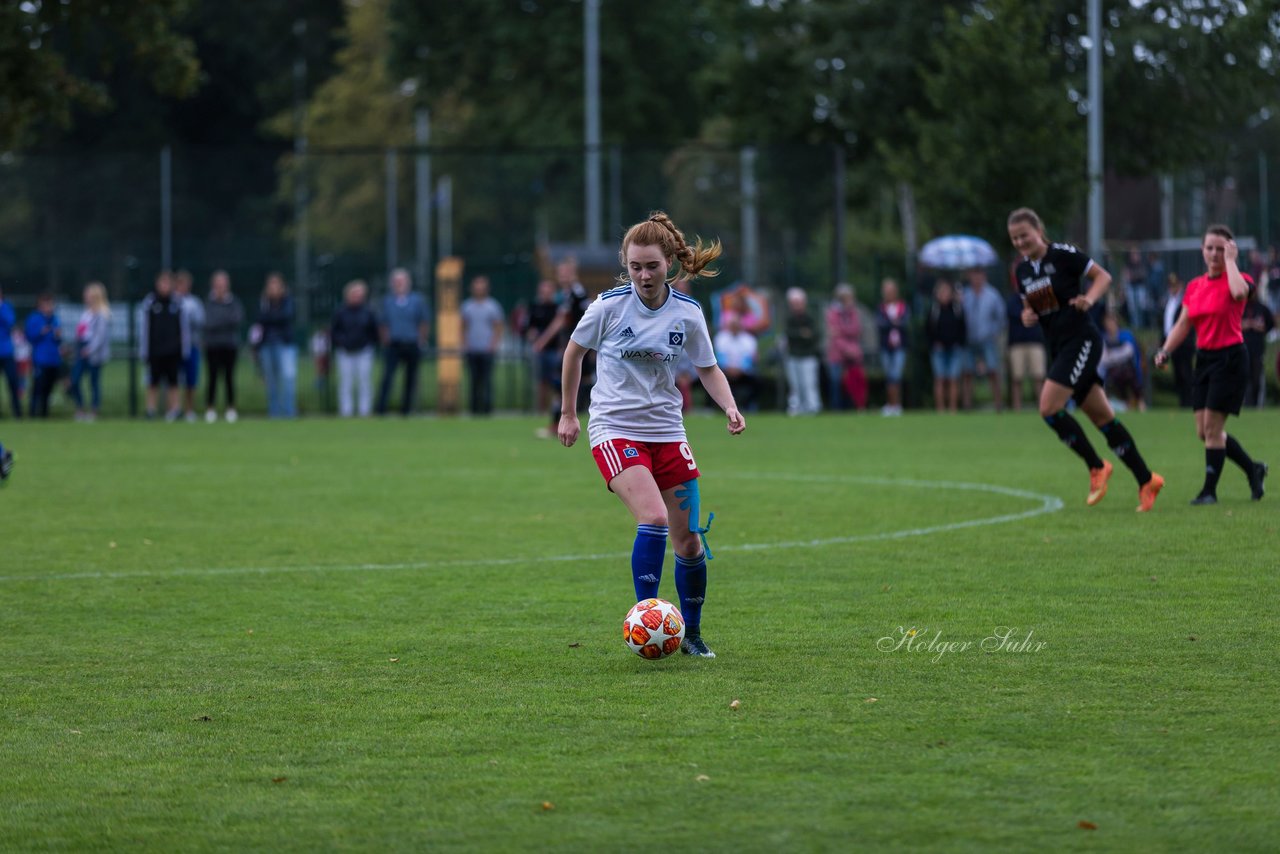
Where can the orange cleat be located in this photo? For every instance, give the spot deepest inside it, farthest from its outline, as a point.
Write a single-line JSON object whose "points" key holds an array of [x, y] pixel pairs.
{"points": [[1148, 491], [1098, 483]]}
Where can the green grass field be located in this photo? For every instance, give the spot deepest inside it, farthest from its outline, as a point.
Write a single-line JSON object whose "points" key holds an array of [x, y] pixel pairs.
{"points": [[406, 635]]}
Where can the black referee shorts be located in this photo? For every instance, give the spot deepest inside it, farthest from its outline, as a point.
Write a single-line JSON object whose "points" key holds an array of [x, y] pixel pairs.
{"points": [[1074, 364], [1220, 379]]}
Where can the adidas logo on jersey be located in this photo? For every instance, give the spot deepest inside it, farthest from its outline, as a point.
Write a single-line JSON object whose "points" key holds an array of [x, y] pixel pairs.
{"points": [[627, 333]]}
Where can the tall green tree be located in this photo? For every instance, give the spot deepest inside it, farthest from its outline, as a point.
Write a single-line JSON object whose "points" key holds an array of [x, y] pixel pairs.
{"points": [[360, 106], [998, 129], [57, 56]]}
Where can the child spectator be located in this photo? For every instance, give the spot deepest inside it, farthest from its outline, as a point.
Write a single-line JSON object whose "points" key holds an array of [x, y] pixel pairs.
{"points": [[93, 348], [946, 332], [1121, 365]]}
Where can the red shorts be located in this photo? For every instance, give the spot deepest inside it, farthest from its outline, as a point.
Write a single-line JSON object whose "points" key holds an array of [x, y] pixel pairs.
{"points": [[671, 462]]}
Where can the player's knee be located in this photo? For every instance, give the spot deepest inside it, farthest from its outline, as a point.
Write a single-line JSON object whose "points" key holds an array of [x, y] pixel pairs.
{"points": [[652, 516], [685, 543], [1049, 413]]}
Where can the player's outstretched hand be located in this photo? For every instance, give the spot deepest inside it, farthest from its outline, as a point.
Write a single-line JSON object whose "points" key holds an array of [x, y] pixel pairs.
{"points": [[1081, 303], [568, 430], [1161, 358], [736, 422]]}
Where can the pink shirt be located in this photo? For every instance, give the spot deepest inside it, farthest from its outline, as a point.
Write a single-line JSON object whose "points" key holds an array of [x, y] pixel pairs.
{"points": [[1213, 314]]}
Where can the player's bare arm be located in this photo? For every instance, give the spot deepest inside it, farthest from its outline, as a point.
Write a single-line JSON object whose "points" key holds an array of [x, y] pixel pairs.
{"points": [[570, 379], [717, 385]]}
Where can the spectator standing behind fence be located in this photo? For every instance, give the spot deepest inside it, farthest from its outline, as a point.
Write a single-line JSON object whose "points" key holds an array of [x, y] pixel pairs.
{"points": [[736, 350], [353, 335], [223, 318], [1121, 364], [482, 320], [1026, 352], [847, 381], [547, 360], [985, 320], [1155, 285], [1270, 283], [193, 308], [1184, 355], [161, 342], [44, 334], [278, 348], [947, 334], [893, 319], [93, 348], [8, 363], [1256, 323], [801, 341], [1129, 299], [405, 322]]}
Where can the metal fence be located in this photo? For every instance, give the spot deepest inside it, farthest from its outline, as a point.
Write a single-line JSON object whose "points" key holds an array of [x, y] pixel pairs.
{"points": [[787, 216]]}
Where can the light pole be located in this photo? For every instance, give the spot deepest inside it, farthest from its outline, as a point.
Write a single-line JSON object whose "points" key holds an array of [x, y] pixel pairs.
{"points": [[591, 69], [1096, 207]]}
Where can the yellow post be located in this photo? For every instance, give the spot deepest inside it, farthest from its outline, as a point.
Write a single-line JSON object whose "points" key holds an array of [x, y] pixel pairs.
{"points": [[449, 335]]}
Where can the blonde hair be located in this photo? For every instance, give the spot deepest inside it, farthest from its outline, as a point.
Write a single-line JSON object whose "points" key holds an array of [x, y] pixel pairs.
{"points": [[95, 299], [658, 230]]}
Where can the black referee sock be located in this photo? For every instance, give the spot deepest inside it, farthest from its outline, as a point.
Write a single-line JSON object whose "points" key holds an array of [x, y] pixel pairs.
{"points": [[1238, 455], [1122, 443], [1214, 459], [1068, 430]]}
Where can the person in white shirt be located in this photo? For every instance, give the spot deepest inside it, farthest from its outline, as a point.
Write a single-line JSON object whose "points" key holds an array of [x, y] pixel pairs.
{"points": [[639, 331], [736, 351]]}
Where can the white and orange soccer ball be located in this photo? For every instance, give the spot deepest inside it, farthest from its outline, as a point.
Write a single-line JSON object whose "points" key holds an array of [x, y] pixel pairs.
{"points": [[653, 628]]}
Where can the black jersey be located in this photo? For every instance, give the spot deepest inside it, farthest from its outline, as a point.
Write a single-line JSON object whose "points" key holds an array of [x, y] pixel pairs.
{"points": [[574, 304], [1049, 285]]}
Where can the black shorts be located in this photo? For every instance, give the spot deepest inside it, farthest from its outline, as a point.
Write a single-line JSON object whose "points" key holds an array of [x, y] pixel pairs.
{"points": [[1074, 364], [1220, 379], [163, 369]]}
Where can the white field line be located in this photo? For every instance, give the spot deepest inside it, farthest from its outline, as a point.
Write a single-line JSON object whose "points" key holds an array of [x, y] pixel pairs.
{"points": [[1045, 504]]}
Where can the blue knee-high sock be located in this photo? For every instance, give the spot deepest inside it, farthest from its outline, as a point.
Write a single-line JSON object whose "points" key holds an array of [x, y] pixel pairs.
{"points": [[691, 584], [646, 559]]}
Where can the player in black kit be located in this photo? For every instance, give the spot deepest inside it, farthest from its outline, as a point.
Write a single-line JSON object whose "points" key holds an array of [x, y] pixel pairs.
{"points": [[1049, 280]]}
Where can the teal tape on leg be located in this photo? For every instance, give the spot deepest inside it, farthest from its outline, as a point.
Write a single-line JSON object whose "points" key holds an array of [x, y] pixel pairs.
{"points": [[689, 500]]}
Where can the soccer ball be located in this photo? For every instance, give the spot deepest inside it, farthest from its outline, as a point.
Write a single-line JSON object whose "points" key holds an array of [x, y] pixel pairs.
{"points": [[653, 628]]}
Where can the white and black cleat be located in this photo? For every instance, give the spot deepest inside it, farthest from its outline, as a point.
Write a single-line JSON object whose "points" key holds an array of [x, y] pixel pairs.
{"points": [[696, 646]]}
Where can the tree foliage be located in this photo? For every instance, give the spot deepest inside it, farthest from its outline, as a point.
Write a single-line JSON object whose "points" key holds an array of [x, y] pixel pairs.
{"points": [[56, 56], [359, 106], [997, 130]]}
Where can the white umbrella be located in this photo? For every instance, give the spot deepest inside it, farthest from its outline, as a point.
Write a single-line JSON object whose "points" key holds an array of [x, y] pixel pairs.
{"points": [[957, 252]]}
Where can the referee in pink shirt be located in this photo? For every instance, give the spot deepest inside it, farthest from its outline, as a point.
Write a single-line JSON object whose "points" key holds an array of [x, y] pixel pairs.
{"points": [[1213, 305]]}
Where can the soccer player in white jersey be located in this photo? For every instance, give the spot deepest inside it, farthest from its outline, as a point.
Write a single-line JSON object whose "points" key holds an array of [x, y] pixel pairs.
{"points": [[638, 331]]}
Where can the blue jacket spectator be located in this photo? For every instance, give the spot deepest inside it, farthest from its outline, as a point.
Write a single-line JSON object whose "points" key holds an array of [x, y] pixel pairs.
{"points": [[44, 333], [45, 336]]}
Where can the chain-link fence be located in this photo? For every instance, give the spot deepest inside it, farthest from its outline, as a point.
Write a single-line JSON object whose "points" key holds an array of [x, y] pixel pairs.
{"points": [[330, 216]]}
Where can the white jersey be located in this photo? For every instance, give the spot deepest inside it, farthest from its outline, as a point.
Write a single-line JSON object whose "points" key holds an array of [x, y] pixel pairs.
{"points": [[638, 350]]}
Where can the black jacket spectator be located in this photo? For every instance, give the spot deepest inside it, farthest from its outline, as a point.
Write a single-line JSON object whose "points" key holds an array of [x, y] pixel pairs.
{"points": [[354, 328]]}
